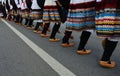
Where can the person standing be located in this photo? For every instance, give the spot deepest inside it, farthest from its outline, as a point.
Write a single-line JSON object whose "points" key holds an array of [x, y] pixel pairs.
{"points": [[17, 11], [13, 9], [51, 14], [23, 11], [38, 9], [108, 27], [1, 13], [4, 8], [62, 7], [28, 21], [81, 17], [8, 10]]}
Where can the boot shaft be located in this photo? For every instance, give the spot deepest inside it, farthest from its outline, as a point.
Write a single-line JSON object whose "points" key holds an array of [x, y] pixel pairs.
{"points": [[66, 37], [45, 28], [109, 49], [84, 39], [54, 30]]}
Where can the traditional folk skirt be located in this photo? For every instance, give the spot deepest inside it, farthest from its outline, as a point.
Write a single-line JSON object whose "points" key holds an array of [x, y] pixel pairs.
{"points": [[24, 14], [108, 19], [81, 16], [14, 13], [18, 11], [51, 14], [36, 14], [11, 12]]}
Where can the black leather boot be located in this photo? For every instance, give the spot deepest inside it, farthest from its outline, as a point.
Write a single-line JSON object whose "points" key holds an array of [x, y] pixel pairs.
{"points": [[83, 40], [108, 51], [45, 29], [65, 40], [17, 19], [36, 29], [21, 19], [30, 24], [26, 21], [53, 34]]}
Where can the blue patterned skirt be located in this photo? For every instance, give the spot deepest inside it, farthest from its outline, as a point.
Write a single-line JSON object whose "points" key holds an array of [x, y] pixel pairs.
{"points": [[51, 14], [81, 16], [108, 19], [36, 14]]}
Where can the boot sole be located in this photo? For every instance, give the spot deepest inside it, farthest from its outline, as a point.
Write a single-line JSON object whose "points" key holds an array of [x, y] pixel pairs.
{"points": [[107, 65], [54, 40], [68, 45], [82, 52]]}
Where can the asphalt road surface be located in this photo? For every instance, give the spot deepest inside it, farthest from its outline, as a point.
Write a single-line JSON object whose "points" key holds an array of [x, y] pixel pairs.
{"points": [[24, 53]]}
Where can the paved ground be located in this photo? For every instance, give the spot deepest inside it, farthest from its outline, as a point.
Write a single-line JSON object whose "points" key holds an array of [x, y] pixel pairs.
{"points": [[18, 59]]}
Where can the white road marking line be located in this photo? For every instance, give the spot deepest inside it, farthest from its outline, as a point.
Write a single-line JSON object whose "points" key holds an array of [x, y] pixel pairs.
{"points": [[54, 64]]}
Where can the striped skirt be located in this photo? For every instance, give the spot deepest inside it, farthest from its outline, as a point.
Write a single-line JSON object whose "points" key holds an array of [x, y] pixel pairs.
{"points": [[108, 21], [51, 14], [36, 14], [81, 16], [11, 12], [24, 14], [14, 13]]}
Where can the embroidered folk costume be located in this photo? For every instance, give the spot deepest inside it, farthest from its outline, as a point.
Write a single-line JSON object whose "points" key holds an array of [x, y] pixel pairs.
{"points": [[36, 12], [24, 12], [108, 19], [13, 10], [51, 14], [62, 8], [18, 10], [29, 21], [81, 16], [1, 13], [8, 10], [39, 13], [108, 27], [3, 9]]}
